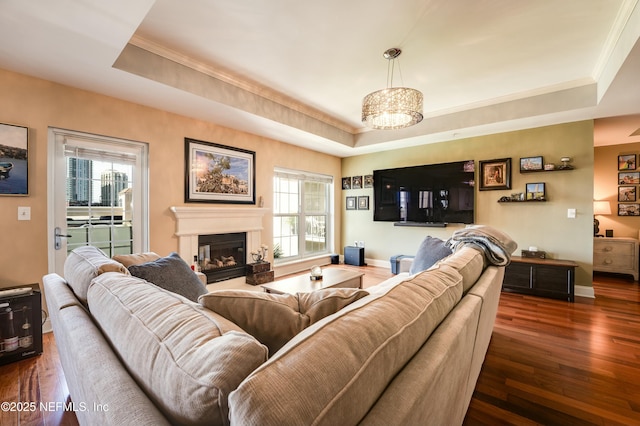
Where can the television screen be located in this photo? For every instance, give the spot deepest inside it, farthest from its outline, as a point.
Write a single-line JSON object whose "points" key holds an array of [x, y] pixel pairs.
{"points": [[433, 193]]}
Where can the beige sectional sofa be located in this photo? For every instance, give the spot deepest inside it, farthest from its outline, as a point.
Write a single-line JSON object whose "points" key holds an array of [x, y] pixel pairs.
{"points": [[406, 351]]}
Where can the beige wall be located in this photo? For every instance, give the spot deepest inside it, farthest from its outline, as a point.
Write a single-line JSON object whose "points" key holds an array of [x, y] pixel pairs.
{"points": [[605, 175], [544, 225], [39, 104]]}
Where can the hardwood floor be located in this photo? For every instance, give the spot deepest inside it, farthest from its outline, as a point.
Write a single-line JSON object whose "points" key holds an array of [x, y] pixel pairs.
{"points": [[560, 363], [549, 363]]}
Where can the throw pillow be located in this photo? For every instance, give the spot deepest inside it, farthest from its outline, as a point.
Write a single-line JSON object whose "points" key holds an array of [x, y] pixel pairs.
{"points": [[322, 303], [135, 258], [84, 264], [274, 319], [173, 274], [430, 251]]}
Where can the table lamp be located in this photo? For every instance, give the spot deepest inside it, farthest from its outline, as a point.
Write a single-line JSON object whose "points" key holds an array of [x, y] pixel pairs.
{"points": [[599, 208]]}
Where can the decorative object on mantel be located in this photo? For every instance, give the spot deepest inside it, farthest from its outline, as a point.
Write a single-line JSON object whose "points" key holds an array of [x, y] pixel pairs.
{"points": [[260, 255], [219, 174], [393, 107], [599, 208]]}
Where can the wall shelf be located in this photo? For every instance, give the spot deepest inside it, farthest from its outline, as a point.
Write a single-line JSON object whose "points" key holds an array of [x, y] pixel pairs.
{"points": [[558, 169], [522, 201]]}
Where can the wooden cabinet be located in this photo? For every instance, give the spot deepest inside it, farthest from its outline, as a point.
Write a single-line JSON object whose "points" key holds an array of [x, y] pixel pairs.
{"points": [[552, 278], [618, 255]]}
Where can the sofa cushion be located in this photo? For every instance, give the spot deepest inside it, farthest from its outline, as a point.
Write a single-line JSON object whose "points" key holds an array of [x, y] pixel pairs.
{"points": [[186, 358], [171, 273], [430, 251], [363, 347], [84, 264], [470, 262], [135, 258], [274, 319]]}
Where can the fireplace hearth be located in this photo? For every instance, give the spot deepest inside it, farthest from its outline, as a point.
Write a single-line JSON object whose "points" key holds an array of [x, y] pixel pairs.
{"points": [[222, 256]]}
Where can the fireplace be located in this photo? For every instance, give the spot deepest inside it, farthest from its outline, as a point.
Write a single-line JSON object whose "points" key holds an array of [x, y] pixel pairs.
{"points": [[193, 221], [222, 256]]}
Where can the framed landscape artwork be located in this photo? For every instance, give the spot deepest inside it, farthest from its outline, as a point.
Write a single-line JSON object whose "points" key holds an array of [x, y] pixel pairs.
{"points": [[628, 209], [14, 160], [219, 174], [531, 164], [628, 178]]}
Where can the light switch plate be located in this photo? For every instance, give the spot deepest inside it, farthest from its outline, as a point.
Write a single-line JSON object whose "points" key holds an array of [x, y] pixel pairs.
{"points": [[24, 213], [571, 213]]}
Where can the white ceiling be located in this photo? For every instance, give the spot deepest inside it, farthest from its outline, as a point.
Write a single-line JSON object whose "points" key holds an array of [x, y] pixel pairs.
{"points": [[297, 71]]}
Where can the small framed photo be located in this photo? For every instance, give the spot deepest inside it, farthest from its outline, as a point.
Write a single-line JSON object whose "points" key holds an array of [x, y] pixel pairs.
{"points": [[363, 202], [531, 164], [346, 182], [356, 182], [626, 193], [495, 174], [535, 191], [368, 181], [625, 209], [627, 162], [628, 178], [14, 160], [351, 203]]}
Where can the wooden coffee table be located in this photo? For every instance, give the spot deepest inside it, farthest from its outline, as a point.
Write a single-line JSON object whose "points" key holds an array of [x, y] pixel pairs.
{"points": [[331, 278]]}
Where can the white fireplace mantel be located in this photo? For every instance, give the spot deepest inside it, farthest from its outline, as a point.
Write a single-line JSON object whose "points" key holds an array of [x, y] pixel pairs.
{"points": [[194, 221]]}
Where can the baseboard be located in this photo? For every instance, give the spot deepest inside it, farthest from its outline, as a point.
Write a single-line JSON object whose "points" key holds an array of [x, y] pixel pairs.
{"points": [[584, 291]]}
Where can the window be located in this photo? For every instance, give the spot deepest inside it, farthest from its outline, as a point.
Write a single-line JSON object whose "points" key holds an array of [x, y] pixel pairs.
{"points": [[301, 214]]}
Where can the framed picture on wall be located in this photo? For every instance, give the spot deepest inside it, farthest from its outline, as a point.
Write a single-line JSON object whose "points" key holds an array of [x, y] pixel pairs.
{"points": [[363, 202], [495, 174], [346, 182], [627, 162], [626, 193], [356, 182], [14, 160], [368, 181], [628, 178], [531, 164], [625, 209], [219, 174], [536, 191], [351, 203]]}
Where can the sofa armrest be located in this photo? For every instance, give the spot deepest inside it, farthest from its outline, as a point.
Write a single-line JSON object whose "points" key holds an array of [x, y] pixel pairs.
{"points": [[202, 278]]}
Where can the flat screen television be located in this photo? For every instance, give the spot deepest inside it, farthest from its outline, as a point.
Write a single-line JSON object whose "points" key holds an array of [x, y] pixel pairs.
{"points": [[434, 194]]}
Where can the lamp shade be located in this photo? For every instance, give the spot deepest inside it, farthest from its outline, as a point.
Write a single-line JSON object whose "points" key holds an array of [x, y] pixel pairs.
{"points": [[601, 208]]}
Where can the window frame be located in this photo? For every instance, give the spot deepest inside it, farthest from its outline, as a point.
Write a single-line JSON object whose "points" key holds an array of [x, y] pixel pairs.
{"points": [[302, 213]]}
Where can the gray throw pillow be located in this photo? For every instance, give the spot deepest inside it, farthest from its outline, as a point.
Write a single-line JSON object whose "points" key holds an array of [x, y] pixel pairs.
{"points": [[173, 274], [430, 251]]}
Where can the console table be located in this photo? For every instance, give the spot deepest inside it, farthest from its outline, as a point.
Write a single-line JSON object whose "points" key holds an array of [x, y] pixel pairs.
{"points": [[554, 278], [619, 255]]}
